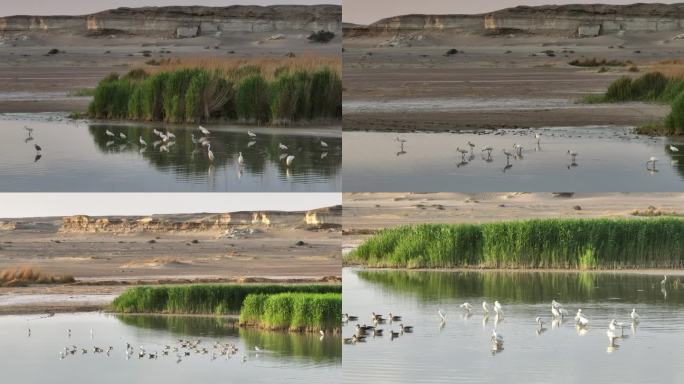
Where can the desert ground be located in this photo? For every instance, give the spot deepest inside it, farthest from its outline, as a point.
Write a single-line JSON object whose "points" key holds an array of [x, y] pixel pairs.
{"points": [[500, 81], [106, 262], [366, 213], [33, 81]]}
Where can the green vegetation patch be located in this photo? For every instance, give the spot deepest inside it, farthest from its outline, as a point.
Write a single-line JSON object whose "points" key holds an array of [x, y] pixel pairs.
{"points": [[198, 94], [218, 299], [293, 311], [548, 243]]}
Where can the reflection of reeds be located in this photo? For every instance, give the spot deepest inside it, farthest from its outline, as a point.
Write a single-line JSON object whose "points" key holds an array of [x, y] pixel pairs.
{"points": [[293, 311], [519, 286], [202, 298], [27, 275], [548, 243], [261, 91]]}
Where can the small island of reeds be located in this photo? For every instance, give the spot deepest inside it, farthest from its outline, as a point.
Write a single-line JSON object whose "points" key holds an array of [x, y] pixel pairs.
{"points": [[304, 308], [539, 243], [653, 87], [255, 91]]}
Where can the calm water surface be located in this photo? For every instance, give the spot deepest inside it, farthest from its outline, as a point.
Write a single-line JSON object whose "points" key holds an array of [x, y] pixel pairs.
{"points": [[284, 357], [80, 156], [608, 159], [460, 350]]}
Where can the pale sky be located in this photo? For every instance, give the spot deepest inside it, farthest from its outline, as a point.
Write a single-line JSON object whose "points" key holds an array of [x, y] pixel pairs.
{"points": [[82, 7], [368, 11], [13, 205]]}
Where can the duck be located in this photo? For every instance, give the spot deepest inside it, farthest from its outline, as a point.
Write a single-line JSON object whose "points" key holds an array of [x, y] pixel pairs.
{"points": [[406, 328]]}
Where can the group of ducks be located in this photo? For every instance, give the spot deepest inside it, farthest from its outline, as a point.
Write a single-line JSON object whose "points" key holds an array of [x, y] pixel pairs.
{"points": [[38, 148], [363, 331], [182, 349], [517, 153]]}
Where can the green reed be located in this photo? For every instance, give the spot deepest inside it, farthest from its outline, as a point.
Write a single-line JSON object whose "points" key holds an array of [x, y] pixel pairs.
{"points": [[217, 299], [541, 243], [295, 311]]}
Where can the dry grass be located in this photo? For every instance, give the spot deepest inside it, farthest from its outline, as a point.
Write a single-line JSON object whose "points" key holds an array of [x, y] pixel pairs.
{"points": [[652, 211], [26, 275], [269, 66], [671, 68]]}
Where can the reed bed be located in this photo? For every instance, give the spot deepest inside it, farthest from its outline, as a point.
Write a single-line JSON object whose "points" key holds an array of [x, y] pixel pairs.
{"points": [[294, 311], [650, 87], [261, 91], [216, 299], [547, 243], [26, 275]]}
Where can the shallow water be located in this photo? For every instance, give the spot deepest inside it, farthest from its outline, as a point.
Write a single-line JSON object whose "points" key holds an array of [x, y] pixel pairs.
{"points": [[80, 157], [446, 105], [284, 357], [460, 351], [609, 158]]}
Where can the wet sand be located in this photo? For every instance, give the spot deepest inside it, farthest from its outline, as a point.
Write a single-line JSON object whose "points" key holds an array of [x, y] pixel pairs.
{"points": [[496, 68], [106, 263]]}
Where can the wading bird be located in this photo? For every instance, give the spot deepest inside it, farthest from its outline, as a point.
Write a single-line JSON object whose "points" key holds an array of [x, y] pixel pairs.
{"points": [[673, 148], [653, 161], [142, 142], [289, 160], [634, 315], [442, 315], [324, 144], [122, 136], [573, 155], [241, 160], [489, 150], [210, 154], [282, 146], [204, 131], [251, 134], [109, 133]]}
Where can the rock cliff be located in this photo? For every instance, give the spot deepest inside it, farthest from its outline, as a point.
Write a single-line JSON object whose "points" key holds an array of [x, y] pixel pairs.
{"points": [[315, 219], [581, 20], [184, 21]]}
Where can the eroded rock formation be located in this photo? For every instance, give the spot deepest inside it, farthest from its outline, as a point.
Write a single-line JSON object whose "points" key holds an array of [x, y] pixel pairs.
{"points": [[184, 21], [580, 20]]}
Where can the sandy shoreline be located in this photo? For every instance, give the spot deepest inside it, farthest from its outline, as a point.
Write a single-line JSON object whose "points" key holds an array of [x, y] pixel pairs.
{"points": [[494, 68]]}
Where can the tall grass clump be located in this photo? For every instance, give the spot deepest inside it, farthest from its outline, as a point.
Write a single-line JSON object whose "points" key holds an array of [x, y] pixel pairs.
{"points": [[252, 99], [21, 276], [220, 299], [293, 311], [548, 243], [260, 92], [675, 120]]}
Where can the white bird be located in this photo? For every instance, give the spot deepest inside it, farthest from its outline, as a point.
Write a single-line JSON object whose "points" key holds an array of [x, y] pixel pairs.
{"points": [[538, 137], [109, 133], [664, 281], [466, 306], [210, 154], [289, 160], [463, 151], [539, 321], [170, 135], [572, 154], [518, 149], [497, 340], [158, 133], [121, 135], [324, 144], [282, 146], [611, 337], [555, 312], [142, 142], [634, 315], [488, 149], [581, 319], [442, 315], [241, 160], [251, 134], [497, 306], [673, 148], [471, 145], [485, 307], [507, 153], [29, 130], [204, 131], [400, 140], [653, 160]]}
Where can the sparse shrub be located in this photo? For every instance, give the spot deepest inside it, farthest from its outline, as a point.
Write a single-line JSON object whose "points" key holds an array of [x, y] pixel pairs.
{"points": [[620, 89], [321, 36], [649, 86]]}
